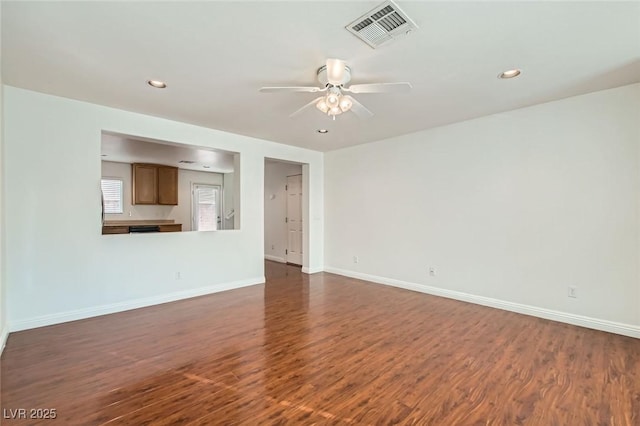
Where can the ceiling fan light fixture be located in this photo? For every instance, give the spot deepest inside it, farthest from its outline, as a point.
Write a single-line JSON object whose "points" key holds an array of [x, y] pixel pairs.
{"points": [[333, 100], [335, 111], [322, 106], [345, 104]]}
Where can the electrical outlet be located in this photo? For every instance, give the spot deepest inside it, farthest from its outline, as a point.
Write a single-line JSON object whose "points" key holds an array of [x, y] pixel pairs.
{"points": [[355, 259], [273, 247], [178, 275], [573, 291], [432, 271]]}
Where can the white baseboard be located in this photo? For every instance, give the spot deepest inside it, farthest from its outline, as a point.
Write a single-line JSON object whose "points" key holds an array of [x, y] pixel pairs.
{"points": [[580, 320], [4, 334], [275, 258], [95, 311]]}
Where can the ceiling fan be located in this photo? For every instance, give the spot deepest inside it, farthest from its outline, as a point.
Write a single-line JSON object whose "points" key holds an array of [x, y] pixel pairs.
{"points": [[333, 76]]}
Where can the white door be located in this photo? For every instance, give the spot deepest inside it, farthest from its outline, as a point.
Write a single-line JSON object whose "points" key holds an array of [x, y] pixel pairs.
{"points": [[206, 207], [294, 220]]}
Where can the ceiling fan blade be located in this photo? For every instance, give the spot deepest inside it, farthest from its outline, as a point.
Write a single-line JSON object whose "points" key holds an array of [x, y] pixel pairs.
{"points": [[335, 71], [312, 103], [359, 109], [291, 89], [379, 88]]}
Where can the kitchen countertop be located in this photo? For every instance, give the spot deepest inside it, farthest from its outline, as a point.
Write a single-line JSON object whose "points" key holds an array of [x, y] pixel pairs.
{"points": [[151, 222]]}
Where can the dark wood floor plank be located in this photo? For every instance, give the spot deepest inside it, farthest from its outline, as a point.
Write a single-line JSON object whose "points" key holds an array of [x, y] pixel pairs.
{"points": [[321, 349]]}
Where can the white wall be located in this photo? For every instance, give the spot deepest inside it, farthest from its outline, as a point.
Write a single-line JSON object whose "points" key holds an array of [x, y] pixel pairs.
{"points": [[514, 207], [180, 213], [59, 267], [275, 210]]}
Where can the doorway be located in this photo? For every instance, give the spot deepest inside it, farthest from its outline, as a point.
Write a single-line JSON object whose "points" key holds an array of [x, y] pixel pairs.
{"points": [[284, 224]]}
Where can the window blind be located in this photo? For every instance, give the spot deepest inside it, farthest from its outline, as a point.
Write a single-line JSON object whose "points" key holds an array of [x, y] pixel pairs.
{"points": [[112, 195]]}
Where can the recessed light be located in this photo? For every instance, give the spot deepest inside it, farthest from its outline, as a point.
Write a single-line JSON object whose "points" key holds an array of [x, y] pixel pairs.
{"points": [[157, 84], [510, 73], [323, 131]]}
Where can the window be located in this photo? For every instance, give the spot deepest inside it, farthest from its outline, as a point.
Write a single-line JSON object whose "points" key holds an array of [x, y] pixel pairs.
{"points": [[206, 207], [112, 195]]}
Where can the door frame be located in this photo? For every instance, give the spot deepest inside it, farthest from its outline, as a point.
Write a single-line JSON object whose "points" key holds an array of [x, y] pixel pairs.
{"points": [[306, 217]]}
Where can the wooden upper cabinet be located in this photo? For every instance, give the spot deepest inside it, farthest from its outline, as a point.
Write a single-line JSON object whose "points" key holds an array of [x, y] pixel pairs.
{"points": [[168, 185], [145, 183], [154, 184]]}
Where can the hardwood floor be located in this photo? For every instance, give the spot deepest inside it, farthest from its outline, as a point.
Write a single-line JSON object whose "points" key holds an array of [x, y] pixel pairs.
{"points": [[321, 349]]}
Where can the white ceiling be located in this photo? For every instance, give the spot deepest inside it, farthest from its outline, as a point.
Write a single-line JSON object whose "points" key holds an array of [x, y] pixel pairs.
{"points": [[128, 149], [216, 55]]}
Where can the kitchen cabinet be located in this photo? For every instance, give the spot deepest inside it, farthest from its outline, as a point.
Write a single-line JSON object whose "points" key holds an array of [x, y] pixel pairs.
{"points": [[168, 185], [154, 184], [145, 183], [115, 230], [174, 227]]}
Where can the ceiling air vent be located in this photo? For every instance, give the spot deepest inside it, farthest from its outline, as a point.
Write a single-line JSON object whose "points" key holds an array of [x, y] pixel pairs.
{"points": [[186, 162], [382, 24]]}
